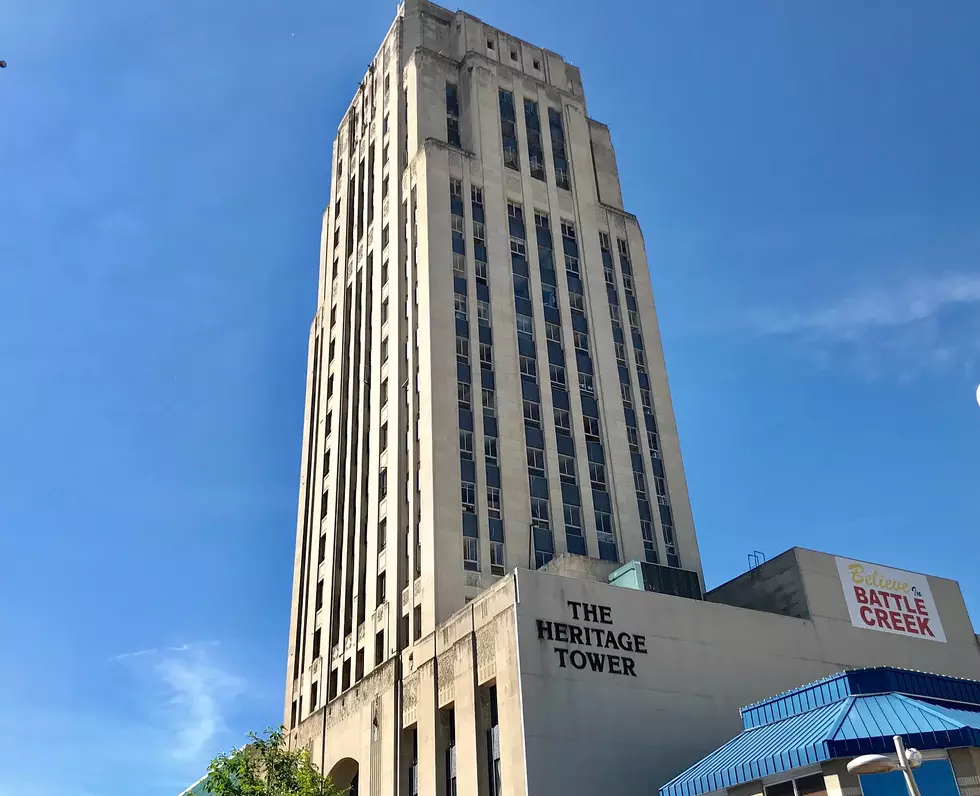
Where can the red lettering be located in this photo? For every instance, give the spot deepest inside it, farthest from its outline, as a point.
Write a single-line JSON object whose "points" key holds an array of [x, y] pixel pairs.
{"points": [[882, 616], [860, 595], [897, 622], [910, 624], [908, 605], [874, 598], [866, 614], [920, 606], [924, 628]]}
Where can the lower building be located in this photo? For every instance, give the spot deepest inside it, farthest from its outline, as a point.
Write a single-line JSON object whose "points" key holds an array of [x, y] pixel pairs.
{"points": [[584, 678], [799, 743]]}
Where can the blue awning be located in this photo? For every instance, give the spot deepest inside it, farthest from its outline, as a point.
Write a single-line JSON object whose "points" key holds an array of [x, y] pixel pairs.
{"points": [[831, 719]]}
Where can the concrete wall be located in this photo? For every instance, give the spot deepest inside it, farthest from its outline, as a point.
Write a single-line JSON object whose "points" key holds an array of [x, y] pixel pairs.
{"points": [[617, 733], [775, 586]]}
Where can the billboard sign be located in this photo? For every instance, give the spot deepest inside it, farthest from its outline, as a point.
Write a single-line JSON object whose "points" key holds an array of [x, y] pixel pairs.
{"points": [[889, 600]]}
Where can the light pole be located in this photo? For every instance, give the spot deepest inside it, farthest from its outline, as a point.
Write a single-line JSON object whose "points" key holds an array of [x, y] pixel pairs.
{"points": [[884, 764]]}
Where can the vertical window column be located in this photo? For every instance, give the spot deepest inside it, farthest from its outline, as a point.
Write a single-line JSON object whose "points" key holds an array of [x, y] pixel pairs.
{"points": [[488, 388], [464, 386], [535, 154], [542, 539], [452, 115], [558, 149], [508, 130]]}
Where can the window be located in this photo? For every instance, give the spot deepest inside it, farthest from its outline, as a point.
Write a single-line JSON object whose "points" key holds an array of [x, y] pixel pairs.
{"points": [[463, 394], [331, 350], [459, 301], [489, 402], [604, 241], [628, 284], [479, 232], [452, 115], [573, 519], [571, 264], [468, 496], [384, 236], [586, 383], [489, 44], [604, 526], [610, 278], [633, 439], [514, 211], [493, 502], [471, 554], [641, 362], [384, 125], [380, 588], [563, 420], [384, 273], [532, 413], [661, 486], [490, 449], [384, 392], [634, 317], [497, 563], [481, 271], [321, 553], [329, 386], [615, 315], [528, 367], [476, 195], [539, 512], [576, 301], [566, 468], [328, 423], [620, 353], [384, 437], [457, 224], [645, 398], [581, 341], [486, 356], [459, 263], [557, 373], [552, 331], [535, 153], [462, 350], [483, 313], [382, 534], [597, 474], [513, 55], [508, 128], [466, 445], [568, 229], [455, 187], [541, 220], [525, 325], [535, 460], [627, 393], [383, 482], [518, 247], [591, 428], [654, 442], [641, 485], [384, 311]]}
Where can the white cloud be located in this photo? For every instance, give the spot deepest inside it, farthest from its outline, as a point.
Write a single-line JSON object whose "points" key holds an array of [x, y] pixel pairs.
{"points": [[917, 300], [923, 325]]}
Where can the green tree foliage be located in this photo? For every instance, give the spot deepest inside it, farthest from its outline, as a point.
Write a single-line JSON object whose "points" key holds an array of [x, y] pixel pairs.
{"points": [[265, 767]]}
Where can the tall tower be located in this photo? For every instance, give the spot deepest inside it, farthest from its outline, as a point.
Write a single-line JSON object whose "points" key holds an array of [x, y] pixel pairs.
{"points": [[486, 385]]}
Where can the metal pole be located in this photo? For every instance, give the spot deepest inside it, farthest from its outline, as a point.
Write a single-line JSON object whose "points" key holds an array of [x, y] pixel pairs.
{"points": [[903, 763]]}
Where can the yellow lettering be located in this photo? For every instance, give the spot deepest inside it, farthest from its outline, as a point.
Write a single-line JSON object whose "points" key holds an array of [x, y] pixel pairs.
{"points": [[885, 584]]}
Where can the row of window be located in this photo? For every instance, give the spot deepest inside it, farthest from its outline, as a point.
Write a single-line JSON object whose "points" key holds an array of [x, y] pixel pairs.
{"points": [[535, 147]]}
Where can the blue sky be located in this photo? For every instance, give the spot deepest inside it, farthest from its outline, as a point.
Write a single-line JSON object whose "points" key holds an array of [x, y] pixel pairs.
{"points": [[807, 178]]}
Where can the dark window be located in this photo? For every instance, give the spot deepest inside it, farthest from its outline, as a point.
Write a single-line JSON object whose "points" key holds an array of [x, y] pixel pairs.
{"points": [[558, 148], [452, 115], [508, 129], [383, 483], [535, 153]]}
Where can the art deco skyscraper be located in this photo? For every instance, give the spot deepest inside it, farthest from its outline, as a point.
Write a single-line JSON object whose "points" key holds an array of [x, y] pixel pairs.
{"points": [[486, 385]]}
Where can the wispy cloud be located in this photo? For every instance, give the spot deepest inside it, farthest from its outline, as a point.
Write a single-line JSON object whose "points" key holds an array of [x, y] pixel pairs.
{"points": [[166, 717], [924, 324]]}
